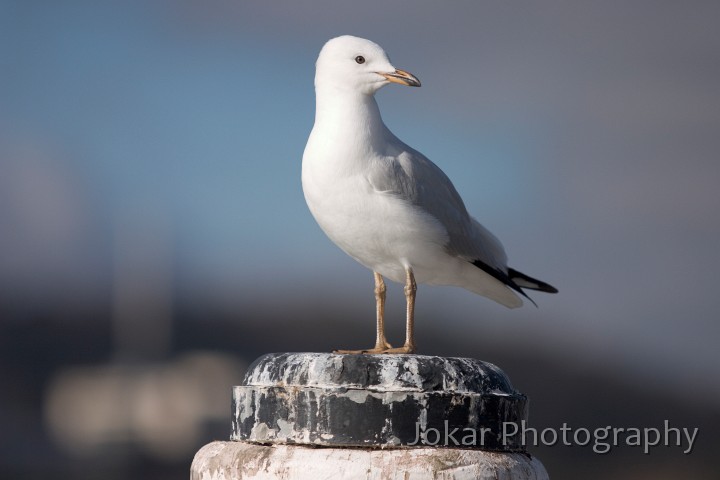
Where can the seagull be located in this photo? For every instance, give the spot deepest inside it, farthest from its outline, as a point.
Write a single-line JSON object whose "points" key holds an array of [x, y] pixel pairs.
{"points": [[387, 205]]}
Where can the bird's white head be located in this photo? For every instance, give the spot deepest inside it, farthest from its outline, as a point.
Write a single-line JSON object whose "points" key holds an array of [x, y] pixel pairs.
{"points": [[358, 65]]}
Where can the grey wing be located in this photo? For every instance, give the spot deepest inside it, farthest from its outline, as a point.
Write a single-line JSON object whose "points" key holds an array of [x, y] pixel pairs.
{"points": [[414, 178]]}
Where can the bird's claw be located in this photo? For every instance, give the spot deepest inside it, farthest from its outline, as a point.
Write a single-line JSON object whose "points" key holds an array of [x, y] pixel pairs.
{"points": [[384, 349]]}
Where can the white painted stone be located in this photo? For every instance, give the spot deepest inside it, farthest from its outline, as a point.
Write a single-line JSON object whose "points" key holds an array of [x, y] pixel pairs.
{"points": [[247, 461]]}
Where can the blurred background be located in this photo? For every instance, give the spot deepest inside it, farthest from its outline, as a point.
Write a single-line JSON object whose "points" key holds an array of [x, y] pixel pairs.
{"points": [[154, 238]]}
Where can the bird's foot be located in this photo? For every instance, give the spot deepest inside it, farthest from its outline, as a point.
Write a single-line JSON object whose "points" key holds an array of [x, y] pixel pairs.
{"points": [[359, 352], [380, 349], [405, 349]]}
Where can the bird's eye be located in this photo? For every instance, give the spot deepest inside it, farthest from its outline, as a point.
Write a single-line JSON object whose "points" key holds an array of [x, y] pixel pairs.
{"points": [[360, 59]]}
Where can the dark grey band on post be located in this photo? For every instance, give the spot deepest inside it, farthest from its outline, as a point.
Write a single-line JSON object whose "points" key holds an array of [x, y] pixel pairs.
{"points": [[379, 401]]}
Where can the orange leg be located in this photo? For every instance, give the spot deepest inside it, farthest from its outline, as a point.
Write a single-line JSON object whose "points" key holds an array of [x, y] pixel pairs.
{"points": [[381, 343]]}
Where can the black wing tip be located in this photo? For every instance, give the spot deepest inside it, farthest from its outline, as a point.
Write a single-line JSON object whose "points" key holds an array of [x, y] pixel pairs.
{"points": [[535, 283], [509, 280], [502, 277]]}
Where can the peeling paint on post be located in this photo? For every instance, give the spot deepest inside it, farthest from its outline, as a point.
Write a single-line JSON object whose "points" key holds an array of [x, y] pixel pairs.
{"points": [[376, 401], [413, 416]]}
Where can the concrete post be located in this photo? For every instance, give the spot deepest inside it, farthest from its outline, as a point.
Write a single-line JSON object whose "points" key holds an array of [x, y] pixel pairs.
{"points": [[318, 415]]}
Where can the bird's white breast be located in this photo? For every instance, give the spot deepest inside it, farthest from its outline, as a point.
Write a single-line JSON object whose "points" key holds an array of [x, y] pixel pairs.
{"points": [[379, 230]]}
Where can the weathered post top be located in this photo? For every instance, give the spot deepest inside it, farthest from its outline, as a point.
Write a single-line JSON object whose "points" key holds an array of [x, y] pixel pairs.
{"points": [[377, 401], [373, 417]]}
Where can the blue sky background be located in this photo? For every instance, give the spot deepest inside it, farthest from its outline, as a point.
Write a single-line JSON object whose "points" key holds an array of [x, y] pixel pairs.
{"points": [[164, 140]]}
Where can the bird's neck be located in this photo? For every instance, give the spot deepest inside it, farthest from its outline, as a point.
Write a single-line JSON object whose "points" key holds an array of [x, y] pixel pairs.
{"points": [[350, 118]]}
